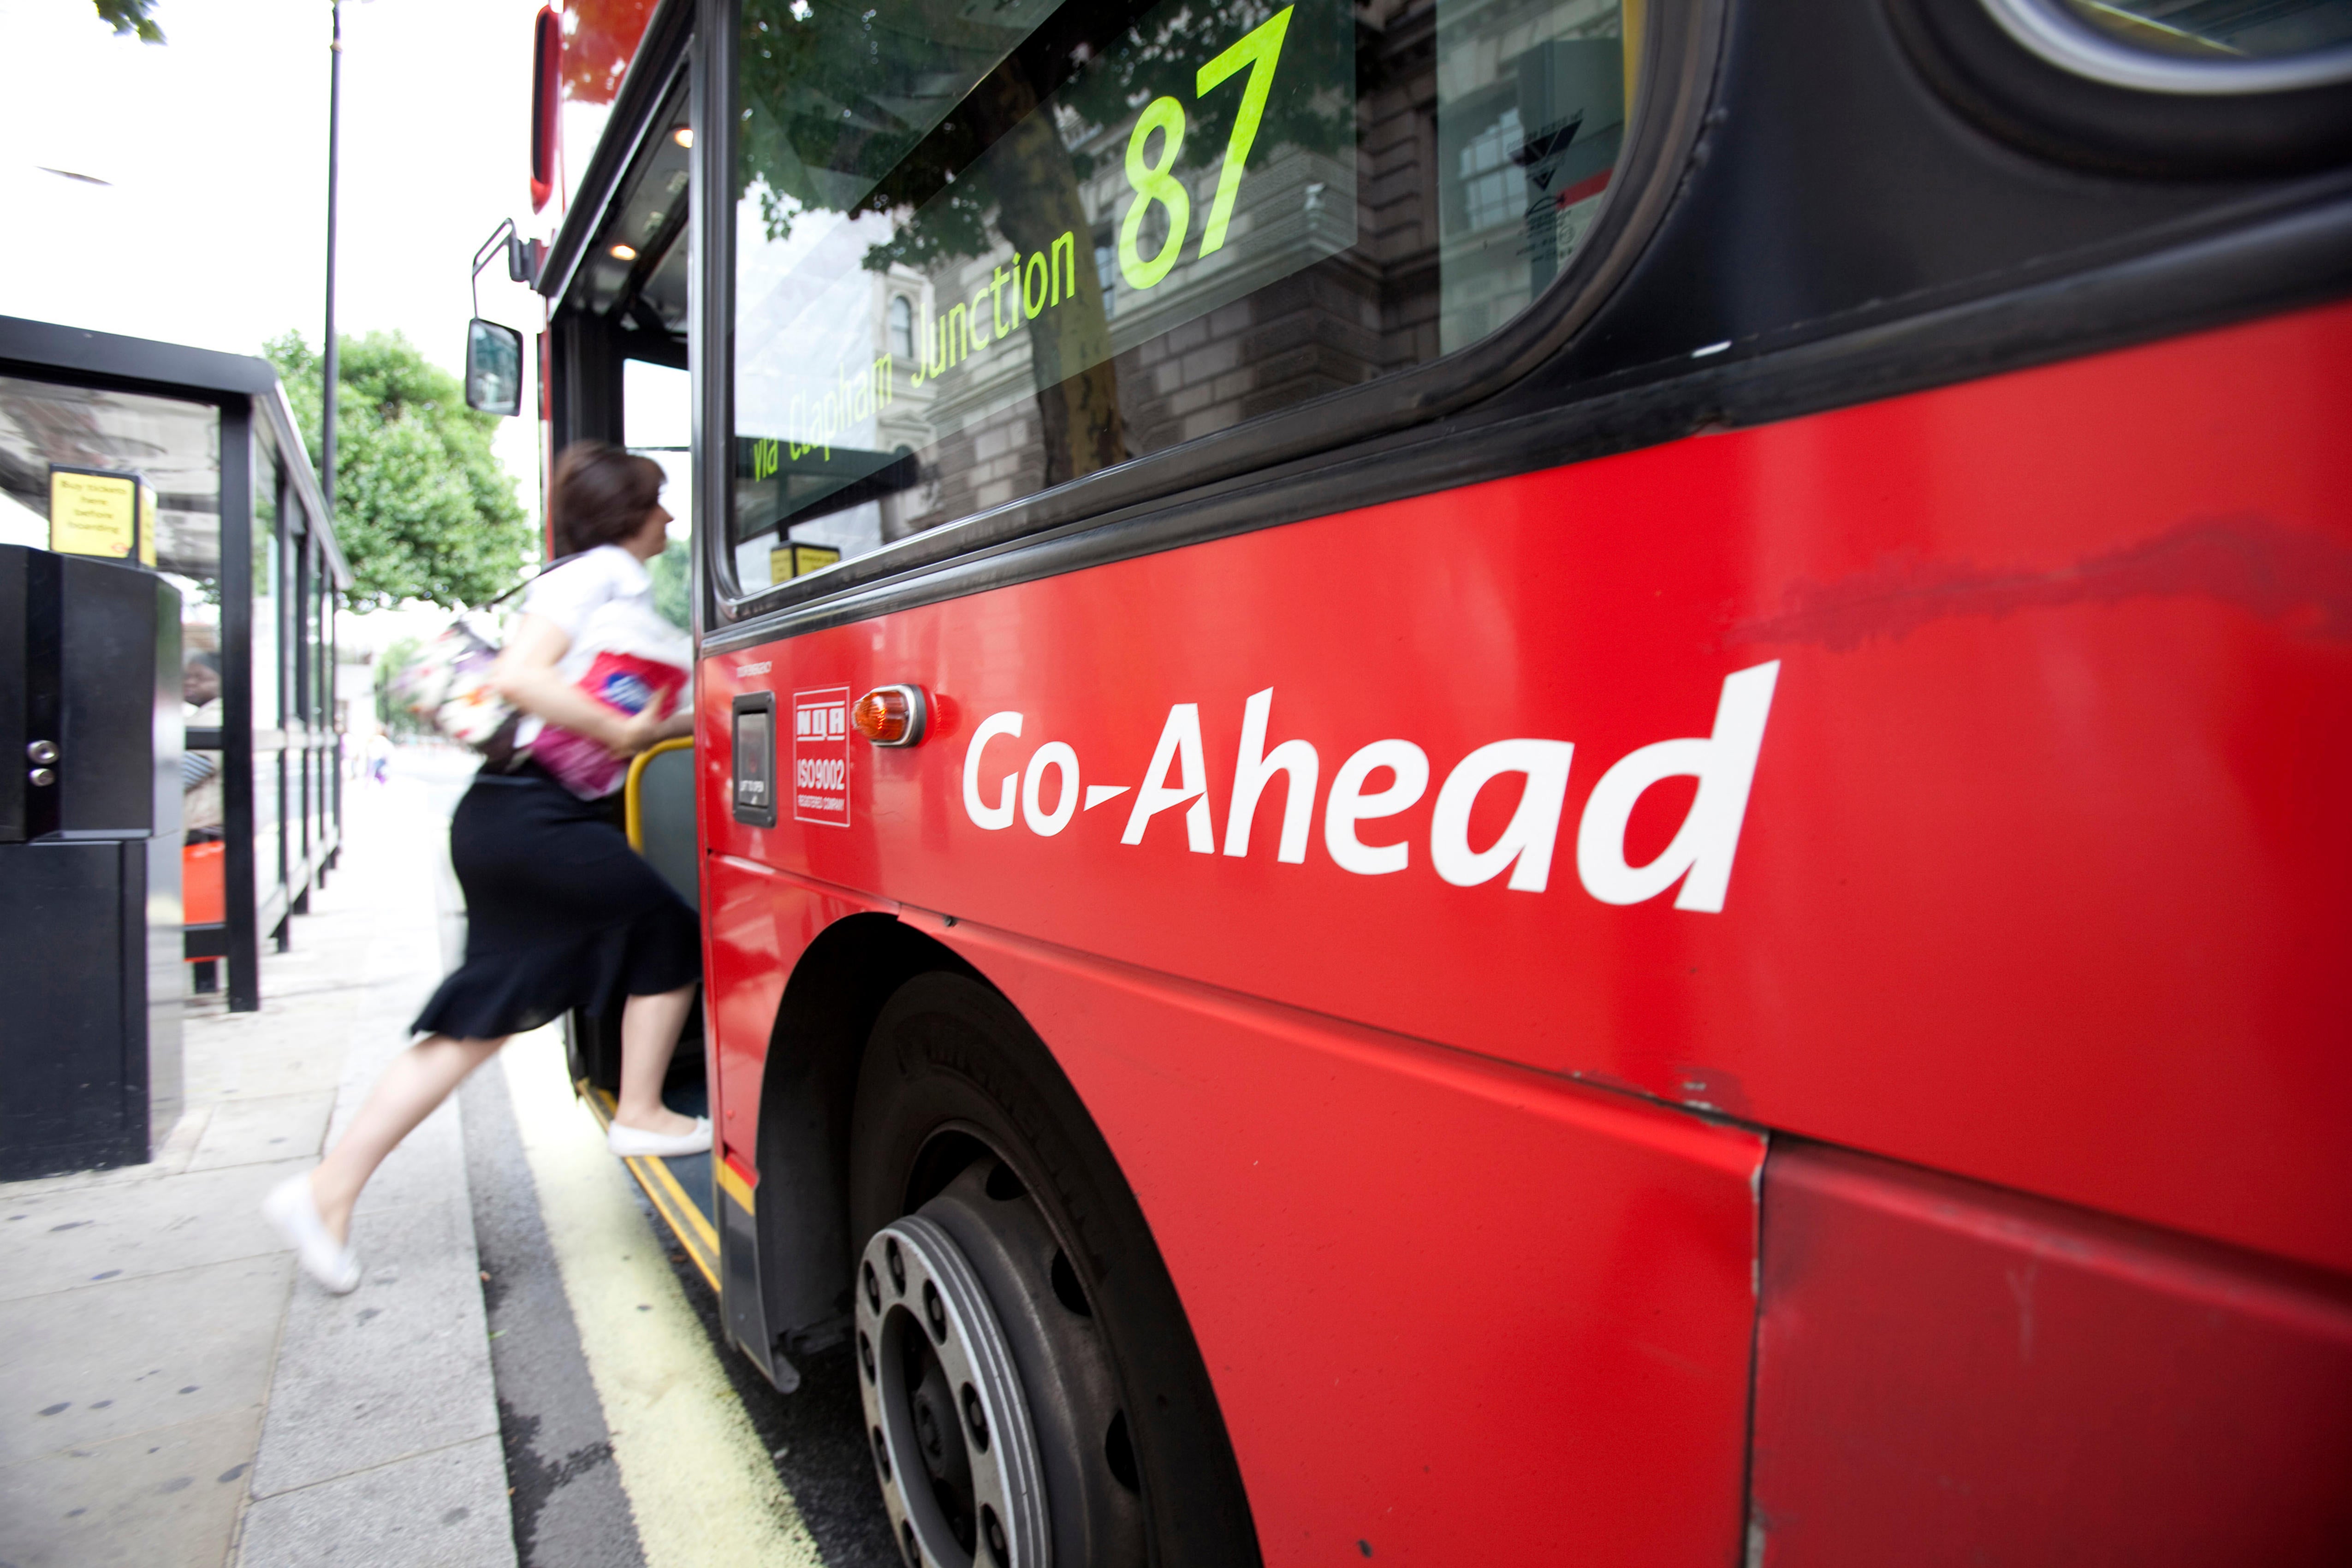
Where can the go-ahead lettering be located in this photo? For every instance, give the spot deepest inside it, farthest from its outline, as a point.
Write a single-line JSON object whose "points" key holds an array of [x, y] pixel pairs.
{"points": [[1388, 777]]}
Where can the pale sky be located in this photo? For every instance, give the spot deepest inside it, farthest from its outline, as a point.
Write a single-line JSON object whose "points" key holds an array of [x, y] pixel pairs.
{"points": [[212, 230]]}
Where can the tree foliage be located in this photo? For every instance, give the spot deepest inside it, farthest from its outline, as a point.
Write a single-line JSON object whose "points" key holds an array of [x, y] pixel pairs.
{"points": [[423, 508], [135, 16], [673, 574], [390, 666], [835, 96]]}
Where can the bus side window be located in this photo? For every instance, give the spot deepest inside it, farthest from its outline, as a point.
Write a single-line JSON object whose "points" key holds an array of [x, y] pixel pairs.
{"points": [[1094, 233]]}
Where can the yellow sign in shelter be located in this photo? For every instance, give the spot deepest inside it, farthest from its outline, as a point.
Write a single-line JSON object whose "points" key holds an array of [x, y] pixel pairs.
{"points": [[92, 512]]}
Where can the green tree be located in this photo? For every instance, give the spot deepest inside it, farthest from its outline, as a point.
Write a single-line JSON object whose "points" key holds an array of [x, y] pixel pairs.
{"points": [[423, 509], [673, 576], [131, 16], [390, 666]]}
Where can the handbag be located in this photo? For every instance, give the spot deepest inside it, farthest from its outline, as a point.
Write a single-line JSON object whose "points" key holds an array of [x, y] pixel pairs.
{"points": [[448, 684]]}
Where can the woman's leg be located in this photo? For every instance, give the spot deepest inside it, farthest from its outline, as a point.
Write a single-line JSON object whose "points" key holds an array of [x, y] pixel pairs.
{"points": [[649, 1027], [416, 1082]]}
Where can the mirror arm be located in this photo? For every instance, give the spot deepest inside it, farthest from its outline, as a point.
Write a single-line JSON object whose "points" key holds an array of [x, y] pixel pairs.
{"points": [[505, 232]]}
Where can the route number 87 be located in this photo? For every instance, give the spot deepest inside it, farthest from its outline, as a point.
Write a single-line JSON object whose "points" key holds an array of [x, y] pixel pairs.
{"points": [[1259, 50]]}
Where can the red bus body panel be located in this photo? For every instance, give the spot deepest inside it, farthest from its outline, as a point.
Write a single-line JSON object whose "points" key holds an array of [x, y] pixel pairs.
{"points": [[2041, 882], [1393, 1348], [1952, 1375]]}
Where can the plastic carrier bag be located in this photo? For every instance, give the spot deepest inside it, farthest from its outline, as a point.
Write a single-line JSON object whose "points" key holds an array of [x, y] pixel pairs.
{"points": [[639, 662]]}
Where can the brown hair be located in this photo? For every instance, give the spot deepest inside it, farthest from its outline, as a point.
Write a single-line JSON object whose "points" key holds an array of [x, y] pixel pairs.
{"points": [[600, 495]]}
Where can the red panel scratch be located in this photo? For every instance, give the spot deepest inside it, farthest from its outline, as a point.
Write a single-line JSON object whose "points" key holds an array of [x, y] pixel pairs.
{"points": [[2295, 577]]}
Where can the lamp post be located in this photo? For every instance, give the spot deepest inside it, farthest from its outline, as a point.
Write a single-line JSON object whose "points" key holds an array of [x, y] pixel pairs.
{"points": [[333, 371]]}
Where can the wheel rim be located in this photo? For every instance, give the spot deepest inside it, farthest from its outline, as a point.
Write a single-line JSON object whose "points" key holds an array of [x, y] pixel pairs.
{"points": [[953, 1445]]}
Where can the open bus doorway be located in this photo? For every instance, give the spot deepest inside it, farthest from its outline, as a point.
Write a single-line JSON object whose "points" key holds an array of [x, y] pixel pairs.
{"points": [[619, 374]]}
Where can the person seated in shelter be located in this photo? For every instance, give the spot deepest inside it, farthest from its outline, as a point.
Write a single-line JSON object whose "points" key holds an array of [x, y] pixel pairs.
{"points": [[201, 811]]}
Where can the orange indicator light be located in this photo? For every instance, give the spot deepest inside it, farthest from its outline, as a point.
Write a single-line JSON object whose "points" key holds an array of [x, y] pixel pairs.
{"points": [[891, 715]]}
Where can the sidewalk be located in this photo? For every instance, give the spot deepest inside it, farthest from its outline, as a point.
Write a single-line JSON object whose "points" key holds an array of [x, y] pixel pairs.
{"points": [[169, 1393]]}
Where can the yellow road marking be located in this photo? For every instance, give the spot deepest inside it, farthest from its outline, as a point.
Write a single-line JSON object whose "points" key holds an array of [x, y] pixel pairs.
{"points": [[696, 1475], [734, 1186], [691, 1225]]}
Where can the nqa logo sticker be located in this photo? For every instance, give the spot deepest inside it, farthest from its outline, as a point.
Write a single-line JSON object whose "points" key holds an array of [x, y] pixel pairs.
{"points": [[821, 756]]}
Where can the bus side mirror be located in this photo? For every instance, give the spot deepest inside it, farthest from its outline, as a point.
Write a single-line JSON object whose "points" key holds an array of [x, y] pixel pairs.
{"points": [[493, 367]]}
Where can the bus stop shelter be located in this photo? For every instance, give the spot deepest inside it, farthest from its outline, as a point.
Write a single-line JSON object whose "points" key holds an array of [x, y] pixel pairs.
{"points": [[241, 529]]}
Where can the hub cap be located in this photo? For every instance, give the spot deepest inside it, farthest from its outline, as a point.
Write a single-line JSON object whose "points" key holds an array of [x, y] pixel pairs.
{"points": [[944, 1410]]}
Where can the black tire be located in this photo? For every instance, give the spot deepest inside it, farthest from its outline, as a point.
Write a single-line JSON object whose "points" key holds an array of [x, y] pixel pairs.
{"points": [[963, 1115]]}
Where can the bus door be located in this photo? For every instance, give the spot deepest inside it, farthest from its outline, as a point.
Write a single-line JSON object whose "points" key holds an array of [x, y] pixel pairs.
{"points": [[617, 330]]}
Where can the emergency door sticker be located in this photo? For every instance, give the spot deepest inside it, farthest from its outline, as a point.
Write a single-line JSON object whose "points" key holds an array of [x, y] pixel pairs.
{"points": [[821, 756]]}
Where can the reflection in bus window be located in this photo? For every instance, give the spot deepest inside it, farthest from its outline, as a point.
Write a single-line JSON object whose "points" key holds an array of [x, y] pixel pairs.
{"points": [[902, 327], [2220, 29], [979, 254]]}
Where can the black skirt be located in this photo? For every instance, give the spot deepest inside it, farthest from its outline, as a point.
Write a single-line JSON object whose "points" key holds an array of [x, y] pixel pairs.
{"points": [[560, 913]]}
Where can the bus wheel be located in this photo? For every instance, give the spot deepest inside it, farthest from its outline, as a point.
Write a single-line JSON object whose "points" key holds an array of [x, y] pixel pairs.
{"points": [[1014, 1316], [945, 1408]]}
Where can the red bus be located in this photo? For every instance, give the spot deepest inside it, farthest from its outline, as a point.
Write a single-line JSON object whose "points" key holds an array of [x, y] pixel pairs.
{"points": [[1510, 781]]}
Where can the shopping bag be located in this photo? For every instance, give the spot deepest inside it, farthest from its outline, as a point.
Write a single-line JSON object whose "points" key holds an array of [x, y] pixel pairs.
{"points": [[638, 664]]}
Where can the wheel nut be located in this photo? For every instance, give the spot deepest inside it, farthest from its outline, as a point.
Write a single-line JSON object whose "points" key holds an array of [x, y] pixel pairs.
{"points": [[898, 1267], [873, 1289], [992, 1529], [906, 1538], [866, 1356], [935, 1311], [881, 1453], [975, 1419]]}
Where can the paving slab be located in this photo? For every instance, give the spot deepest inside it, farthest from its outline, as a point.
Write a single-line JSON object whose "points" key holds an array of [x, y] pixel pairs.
{"points": [[256, 1131], [399, 1367], [58, 1239], [172, 1156], [90, 1366], [161, 1499], [381, 1444], [421, 1170], [444, 1509], [148, 1351]]}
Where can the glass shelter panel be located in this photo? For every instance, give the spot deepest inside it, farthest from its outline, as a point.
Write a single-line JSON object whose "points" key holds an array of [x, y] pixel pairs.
{"points": [[170, 445], [983, 251], [268, 672]]}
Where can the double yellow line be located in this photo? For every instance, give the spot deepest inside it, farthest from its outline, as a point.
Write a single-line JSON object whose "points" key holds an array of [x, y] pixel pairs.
{"points": [[700, 1485], [689, 1224]]}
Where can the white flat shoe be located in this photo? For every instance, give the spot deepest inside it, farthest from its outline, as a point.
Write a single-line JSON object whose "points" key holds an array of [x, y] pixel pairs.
{"points": [[636, 1143], [290, 1208]]}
